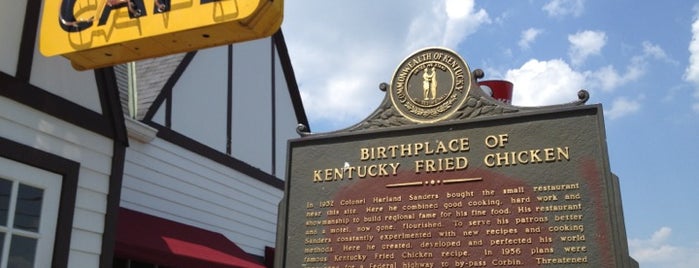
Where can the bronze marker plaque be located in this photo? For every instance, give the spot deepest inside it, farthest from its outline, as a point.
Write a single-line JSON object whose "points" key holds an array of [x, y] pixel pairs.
{"points": [[523, 189]]}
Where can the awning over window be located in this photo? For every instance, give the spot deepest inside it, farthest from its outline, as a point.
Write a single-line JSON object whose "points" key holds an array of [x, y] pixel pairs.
{"points": [[159, 241]]}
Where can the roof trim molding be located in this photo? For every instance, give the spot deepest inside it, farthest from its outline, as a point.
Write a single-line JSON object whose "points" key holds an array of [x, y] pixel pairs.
{"points": [[290, 77], [111, 108], [166, 92], [28, 41], [140, 131], [46, 102], [217, 156]]}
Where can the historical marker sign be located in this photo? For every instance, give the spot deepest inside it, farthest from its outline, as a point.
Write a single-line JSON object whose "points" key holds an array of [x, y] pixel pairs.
{"points": [[524, 188]]}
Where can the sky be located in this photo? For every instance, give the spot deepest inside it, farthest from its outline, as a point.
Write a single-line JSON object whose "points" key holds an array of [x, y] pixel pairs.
{"points": [[639, 59]]}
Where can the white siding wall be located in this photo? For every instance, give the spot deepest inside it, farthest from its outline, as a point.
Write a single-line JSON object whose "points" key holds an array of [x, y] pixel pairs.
{"points": [[56, 75], [252, 96], [41, 131], [199, 99], [286, 121], [160, 178], [11, 20], [167, 181], [159, 116], [199, 103]]}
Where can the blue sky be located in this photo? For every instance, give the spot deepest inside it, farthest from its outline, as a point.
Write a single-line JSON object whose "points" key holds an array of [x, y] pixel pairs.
{"points": [[639, 59]]}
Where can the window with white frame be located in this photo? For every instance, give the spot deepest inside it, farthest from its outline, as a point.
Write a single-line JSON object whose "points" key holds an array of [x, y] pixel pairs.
{"points": [[29, 201]]}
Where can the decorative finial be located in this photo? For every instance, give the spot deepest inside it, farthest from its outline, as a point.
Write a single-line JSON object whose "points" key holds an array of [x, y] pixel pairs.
{"points": [[383, 86], [478, 74], [302, 130]]}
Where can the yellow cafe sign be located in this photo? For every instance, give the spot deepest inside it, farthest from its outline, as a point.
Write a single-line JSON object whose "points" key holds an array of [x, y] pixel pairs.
{"points": [[100, 33]]}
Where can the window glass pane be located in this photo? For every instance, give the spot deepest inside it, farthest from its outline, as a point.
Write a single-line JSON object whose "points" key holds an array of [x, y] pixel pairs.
{"points": [[5, 190], [22, 250], [28, 208]]}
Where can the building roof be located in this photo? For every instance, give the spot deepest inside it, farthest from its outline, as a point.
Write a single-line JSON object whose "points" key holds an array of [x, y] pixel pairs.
{"points": [[151, 76]]}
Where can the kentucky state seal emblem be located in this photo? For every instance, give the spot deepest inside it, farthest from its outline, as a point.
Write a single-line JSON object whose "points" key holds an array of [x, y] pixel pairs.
{"points": [[430, 85]]}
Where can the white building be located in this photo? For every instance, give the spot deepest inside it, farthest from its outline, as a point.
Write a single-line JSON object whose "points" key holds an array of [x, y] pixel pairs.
{"points": [[198, 169]]}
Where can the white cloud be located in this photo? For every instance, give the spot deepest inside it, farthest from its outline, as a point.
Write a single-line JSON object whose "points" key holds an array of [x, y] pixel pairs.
{"points": [[341, 51], [622, 107], [528, 36], [657, 251], [547, 82], [340, 58], [451, 22], [539, 83], [691, 73], [502, 18], [608, 78], [562, 8], [584, 44], [458, 8], [655, 51]]}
